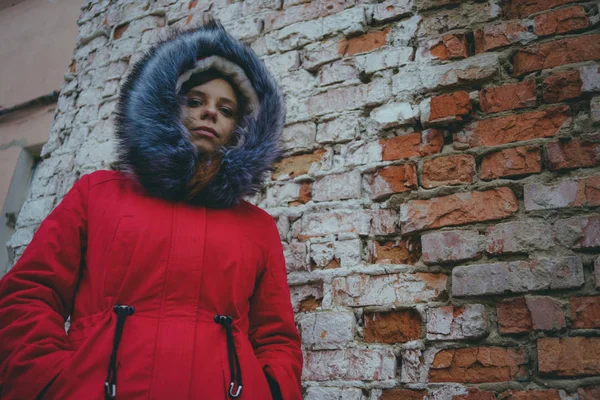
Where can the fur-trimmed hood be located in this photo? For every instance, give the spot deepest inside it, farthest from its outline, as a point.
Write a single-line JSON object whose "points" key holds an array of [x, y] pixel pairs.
{"points": [[153, 143]]}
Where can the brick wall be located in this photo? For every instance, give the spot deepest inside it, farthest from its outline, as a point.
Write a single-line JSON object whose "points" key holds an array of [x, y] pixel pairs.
{"points": [[438, 202]]}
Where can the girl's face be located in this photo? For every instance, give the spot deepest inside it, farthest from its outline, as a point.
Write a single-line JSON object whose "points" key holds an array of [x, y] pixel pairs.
{"points": [[210, 114]]}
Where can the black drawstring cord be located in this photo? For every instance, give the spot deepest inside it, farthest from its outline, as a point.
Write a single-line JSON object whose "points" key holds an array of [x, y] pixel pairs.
{"points": [[234, 362], [110, 386]]}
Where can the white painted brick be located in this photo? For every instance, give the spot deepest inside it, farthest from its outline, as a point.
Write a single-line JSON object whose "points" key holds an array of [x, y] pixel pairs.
{"points": [[299, 136], [34, 211], [451, 246], [341, 129], [303, 293], [330, 393], [384, 59], [316, 54], [295, 257], [393, 289], [404, 31], [394, 114], [326, 328], [337, 187], [350, 364], [300, 34], [590, 78], [281, 64], [392, 9], [281, 195], [349, 22], [362, 222], [361, 153], [451, 323], [339, 71]]}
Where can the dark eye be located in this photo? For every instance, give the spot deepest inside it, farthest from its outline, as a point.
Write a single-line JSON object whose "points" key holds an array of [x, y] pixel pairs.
{"points": [[194, 103], [226, 111]]}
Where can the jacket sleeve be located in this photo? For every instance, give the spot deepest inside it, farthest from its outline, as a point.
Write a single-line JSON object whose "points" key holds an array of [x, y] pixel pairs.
{"points": [[36, 297], [273, 333]]}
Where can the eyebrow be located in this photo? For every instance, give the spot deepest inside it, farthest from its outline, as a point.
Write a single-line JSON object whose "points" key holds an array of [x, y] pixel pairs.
{"points": [[225, 99]]}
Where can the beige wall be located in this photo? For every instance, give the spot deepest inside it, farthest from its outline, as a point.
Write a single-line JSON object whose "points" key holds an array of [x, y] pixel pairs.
{"points": [[38, 38]]}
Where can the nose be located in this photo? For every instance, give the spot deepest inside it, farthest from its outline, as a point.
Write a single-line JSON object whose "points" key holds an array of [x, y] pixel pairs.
{"points": [[208, 112]]}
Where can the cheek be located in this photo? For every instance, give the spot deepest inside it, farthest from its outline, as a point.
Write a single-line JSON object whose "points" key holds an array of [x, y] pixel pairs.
{"points": [[228, 128]]}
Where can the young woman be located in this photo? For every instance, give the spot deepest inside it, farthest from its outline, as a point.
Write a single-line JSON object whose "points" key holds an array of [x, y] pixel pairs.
{"points": [[176, 287]]}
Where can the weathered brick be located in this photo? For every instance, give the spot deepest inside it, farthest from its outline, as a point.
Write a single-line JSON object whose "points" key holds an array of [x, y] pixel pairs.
{"points": [[561, 86], [522, 315], [299, 34], [316, 54], [350, 364], [572, 356], [517, 276], [306, 297], [403, 394], [491, 37], [304, 12], [394, 252], [457, 323], [341, 129], [383, 59], [444, 109], [392, 179], [508, 97], [342, 253], [551, 394], [289, 194], [457, 209], [350, 22], [404, 32], [516, 161], [451, 246], [575, 153], [513, 128], [360, 152], [392, 9], [362, 222], [595, 109], [418, 144], [448, 170], [475, 394], [295, 257], [299, 136], [338, 71], [332, 393], [298, 165], [519, 237], [327, 327], [449, 47], [555, 53], [394, 114], [393, 289], [453, 18], [364, 43], [568, 193], [585, 312], [337, 187], [428, 77], [578, 232], [590, 78], [479, 364], [597, 271], [561, 21], [347, 98], [589, 393], [522, 9], [392, 327]]}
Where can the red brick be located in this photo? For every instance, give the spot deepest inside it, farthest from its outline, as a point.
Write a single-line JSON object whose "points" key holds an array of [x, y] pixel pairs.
{"points": [[562, 86], [392, 179], [453, 106], [514, 128], [297, 165], [572, 356], [575, 153], [451, 246], [585, 312], [448, 170], [511, 162], [514, 316], [418, 144], [450, 47], [551, 394], [475, 394], [584, 192], [561, 21], [119, 31], [589, 393], [581, 232], [458, 209], [479, 364], [395, 252], [403, 394], [508, 97], [499, 35], [361, 44], [555, 53], [392, 327], [522, 9]]}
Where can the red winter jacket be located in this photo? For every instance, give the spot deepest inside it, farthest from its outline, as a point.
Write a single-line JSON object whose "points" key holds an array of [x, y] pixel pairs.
{"points": [[178, 265]]}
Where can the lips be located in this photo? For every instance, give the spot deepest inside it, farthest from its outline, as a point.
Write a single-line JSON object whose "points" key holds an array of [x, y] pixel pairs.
{"points": [[204, 131]]}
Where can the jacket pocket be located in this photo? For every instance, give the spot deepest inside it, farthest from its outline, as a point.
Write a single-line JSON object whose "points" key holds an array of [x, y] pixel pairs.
{"points": [[119, 255]]}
